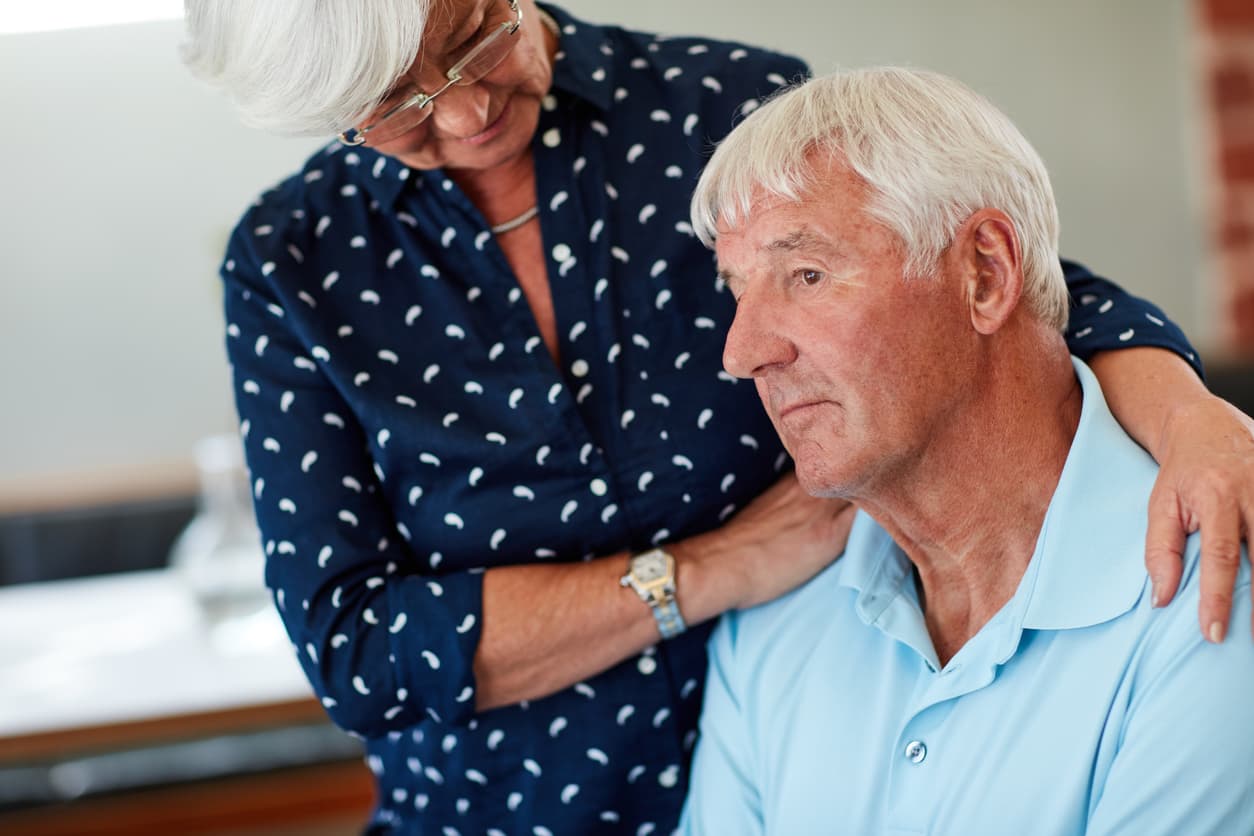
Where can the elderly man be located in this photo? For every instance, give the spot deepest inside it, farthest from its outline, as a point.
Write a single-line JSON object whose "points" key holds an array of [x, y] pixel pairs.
{"points": [[986, 658]]}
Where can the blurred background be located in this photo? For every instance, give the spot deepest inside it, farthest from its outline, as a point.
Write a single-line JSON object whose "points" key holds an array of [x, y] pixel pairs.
{"points": [[123, 177]]}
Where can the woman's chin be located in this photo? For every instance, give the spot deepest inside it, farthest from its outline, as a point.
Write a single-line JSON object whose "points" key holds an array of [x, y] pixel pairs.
{"points": [[504, 138]]}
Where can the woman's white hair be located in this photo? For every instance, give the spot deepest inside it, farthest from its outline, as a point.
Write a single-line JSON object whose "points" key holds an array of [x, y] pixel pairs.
{"points": [[931, 150], [303, 67]]}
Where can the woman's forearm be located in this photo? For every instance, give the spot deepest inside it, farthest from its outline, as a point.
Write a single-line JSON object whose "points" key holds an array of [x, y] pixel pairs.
{"points": [[1144, 387], [548, 626], [1205, 447]]}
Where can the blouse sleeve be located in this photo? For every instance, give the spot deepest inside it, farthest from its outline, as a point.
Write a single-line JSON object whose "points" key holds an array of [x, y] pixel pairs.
{"points": [[381, 643], [1105, 317]]}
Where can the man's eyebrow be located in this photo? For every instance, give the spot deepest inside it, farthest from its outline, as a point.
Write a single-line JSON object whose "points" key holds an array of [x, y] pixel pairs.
{"points": [[802, 239]]}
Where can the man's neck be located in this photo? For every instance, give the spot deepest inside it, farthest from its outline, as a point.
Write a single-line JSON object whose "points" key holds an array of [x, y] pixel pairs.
{"points": [[969, 510]]}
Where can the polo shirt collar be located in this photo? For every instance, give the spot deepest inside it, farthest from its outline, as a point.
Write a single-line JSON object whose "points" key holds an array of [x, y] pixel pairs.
{"points": [[1091, 546], [1087, 567]]}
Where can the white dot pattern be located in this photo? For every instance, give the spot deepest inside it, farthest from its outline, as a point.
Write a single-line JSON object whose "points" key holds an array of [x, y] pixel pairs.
{"points": [[405, 429]]}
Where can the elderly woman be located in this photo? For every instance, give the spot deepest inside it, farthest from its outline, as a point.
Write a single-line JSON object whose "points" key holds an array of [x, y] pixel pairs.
{"points": [[502, 479]]}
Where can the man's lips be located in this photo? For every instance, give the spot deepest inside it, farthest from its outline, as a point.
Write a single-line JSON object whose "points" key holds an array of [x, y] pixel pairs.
{"points": [[796, 407]]}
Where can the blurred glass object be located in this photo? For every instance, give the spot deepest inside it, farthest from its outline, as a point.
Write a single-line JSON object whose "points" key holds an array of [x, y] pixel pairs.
{"points": [[219, 553]]}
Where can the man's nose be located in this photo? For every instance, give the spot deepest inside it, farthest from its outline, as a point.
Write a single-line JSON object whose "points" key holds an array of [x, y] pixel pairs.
{"points": [[462, 110], [755, 343]]}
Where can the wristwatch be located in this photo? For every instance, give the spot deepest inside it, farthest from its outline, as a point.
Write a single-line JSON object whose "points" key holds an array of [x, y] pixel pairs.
{"points": [[652, 575]]}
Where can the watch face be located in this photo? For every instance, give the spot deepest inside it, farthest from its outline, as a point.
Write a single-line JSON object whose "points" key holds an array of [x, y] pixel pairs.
{"points": [[649, 567]]}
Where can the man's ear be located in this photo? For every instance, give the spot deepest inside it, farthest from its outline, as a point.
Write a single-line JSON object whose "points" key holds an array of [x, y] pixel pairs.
{"points": [[994, 273]]}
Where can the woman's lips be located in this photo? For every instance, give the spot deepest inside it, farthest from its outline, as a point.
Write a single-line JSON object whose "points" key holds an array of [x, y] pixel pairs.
{"points": [[490, 132]]}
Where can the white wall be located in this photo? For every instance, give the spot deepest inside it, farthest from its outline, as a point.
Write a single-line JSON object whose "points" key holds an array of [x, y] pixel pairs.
{"points": [[122, 176]]}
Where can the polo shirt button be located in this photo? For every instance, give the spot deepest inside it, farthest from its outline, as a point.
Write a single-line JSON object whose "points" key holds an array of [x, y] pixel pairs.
{"points": [[916, 751]]}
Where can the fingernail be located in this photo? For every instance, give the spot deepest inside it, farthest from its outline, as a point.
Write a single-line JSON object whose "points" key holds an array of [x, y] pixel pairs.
{"points": [[1216, 633], [1156, 595]]}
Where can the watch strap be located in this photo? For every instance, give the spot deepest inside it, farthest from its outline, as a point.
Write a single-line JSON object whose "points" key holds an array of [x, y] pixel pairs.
{"points": [[669, 622]]}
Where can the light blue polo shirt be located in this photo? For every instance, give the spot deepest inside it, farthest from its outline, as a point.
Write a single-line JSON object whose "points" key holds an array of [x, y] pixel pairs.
{"points": [[1077, 709]]}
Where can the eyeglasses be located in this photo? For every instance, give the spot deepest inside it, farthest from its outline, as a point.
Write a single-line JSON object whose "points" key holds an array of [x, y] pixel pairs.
{"points": [[416, 105]]}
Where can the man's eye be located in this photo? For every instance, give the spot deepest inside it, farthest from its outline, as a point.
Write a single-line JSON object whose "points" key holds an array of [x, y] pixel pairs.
{"points": [[809, 278]]}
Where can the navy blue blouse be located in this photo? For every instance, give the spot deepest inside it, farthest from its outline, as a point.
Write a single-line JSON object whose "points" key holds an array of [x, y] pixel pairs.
{"points": [[405, 428]]}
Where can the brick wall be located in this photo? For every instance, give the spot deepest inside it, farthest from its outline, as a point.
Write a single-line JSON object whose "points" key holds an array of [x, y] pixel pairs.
{"points": [[1227, 54]]}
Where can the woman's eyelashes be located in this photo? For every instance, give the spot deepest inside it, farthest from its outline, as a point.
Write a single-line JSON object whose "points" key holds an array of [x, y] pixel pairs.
{"points": [[468, 42], [484, 26]]}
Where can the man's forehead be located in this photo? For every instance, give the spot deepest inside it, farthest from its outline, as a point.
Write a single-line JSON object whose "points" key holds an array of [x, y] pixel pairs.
{"points": [[766, 235]]}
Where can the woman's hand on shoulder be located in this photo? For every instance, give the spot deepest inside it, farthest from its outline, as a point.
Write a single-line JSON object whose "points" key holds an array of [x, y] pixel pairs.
{"points": [[773, 545], [1206, 483]]}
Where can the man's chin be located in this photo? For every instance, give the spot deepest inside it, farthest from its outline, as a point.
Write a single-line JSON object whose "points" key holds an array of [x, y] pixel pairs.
{"points": [[822, 482]]}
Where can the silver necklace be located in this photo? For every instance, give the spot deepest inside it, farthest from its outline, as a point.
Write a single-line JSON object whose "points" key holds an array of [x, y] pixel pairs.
{"points": [[514, 223]]}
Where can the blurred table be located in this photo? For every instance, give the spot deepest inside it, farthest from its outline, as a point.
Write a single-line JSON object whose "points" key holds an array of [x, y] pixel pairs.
{"points": [[124, 710]]}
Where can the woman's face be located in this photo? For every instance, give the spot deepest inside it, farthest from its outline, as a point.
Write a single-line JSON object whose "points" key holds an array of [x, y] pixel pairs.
{"points": [[483, 125]]}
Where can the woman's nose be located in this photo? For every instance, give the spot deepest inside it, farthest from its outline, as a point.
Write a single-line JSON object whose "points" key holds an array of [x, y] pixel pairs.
{"points": [[462, 110]]}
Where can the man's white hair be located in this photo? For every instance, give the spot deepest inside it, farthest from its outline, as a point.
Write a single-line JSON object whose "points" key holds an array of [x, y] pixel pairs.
{"points": [[931, 150], [303, 67]]}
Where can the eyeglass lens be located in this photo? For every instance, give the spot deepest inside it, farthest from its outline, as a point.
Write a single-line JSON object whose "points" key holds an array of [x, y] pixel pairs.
{"points": [[481, 60]]}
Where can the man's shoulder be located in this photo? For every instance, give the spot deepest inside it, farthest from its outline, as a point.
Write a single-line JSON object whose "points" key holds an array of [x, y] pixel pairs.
{"points": [[827, 601], [1175, 630], [1170, 666], [783, 629]]}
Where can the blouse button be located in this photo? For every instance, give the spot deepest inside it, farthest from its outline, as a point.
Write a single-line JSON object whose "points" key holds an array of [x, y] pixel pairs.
{"points": [[916, 751], [579, 368], [561, 252], [599, 487], [646, 665]]}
